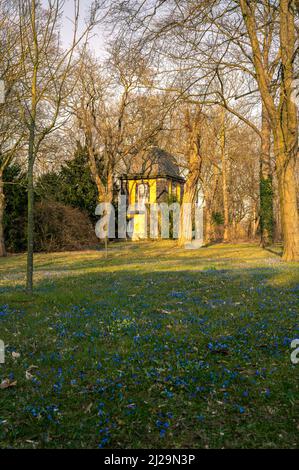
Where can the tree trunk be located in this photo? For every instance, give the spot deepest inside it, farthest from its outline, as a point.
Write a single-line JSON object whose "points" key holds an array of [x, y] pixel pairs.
{"points": [[287, 188], [2, 207], [283, 117], [191, 186], [109, 200], [209, 196], [30, 211], [102, 191], [254, 223], [224, 177], [109, 189], [189, 198], [286, 136], [266, 183], [208, 225], [94, 172]]}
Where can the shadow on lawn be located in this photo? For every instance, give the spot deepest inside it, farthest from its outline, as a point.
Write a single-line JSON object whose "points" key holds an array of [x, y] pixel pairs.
{"points": [[208, 349], [278, 251], [125, 288], [136, 253]]}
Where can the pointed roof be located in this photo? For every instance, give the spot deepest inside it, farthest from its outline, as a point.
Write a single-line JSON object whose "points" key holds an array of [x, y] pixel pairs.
{"points": [[154, 163]]}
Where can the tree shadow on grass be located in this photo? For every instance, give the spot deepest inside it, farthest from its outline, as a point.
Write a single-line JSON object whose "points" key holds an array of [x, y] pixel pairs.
{"points": [[123, 287], [198, 350], [276, 250]]}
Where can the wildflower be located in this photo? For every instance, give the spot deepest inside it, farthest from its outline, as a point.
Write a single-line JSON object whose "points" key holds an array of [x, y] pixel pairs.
{"points": [[103, 442]]}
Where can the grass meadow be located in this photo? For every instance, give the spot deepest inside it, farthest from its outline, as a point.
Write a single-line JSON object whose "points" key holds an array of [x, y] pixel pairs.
{"points": [[151, 347]]}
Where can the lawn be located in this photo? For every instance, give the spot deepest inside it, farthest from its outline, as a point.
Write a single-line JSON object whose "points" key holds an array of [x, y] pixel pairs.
{"points": [[153, 347]]}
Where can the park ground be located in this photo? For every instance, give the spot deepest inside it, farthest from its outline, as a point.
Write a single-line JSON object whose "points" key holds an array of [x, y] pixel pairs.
{"points": [[151, 347]]}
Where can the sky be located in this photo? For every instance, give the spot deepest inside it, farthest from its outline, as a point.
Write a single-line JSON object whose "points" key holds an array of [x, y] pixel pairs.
{"points": [[97, 39]]}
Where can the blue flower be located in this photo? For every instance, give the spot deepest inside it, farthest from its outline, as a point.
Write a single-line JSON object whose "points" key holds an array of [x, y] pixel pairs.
{"points": [[103, 442]]}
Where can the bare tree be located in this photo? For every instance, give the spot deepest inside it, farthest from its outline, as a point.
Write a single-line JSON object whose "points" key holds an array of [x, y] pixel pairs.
{"points": [[10, 129], [256, 38], [46, 67], [117, 113], [282, 115]]}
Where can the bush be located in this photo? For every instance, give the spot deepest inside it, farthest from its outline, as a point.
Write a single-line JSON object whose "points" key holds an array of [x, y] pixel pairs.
{"points": [[72, 185], [59, 227]]}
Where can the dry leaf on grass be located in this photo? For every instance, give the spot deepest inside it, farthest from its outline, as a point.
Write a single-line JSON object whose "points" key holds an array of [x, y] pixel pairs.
{"points": [[7, 383], [15, 355], [88, 408]]}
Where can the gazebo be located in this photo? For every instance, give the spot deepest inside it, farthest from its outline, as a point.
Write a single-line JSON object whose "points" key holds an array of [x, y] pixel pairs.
{"points": [[152, 177]]}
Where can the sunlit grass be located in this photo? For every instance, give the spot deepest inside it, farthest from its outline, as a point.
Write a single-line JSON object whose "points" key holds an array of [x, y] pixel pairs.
{"points": [[154, 346]]}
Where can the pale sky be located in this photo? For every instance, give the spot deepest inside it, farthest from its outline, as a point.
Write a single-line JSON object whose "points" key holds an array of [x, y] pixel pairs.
{"points": [[97, 40]]}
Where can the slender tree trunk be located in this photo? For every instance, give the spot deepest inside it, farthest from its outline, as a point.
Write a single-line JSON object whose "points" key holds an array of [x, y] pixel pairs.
{"points": [[98, 182], [208, 225], [224, 177], [234, 225], [109, 189], [105, 192], [266, 183], [30, 216], [255, 225], [109, 200], [209, 193], [2, 207], [94, 172], [31, 151], [185, 232], [256, 220]]}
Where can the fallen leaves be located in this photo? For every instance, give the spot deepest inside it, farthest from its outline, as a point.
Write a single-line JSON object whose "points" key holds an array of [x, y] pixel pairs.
{"points": [[15, 355], [28, 374], [88, 408], [7, 383]]}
